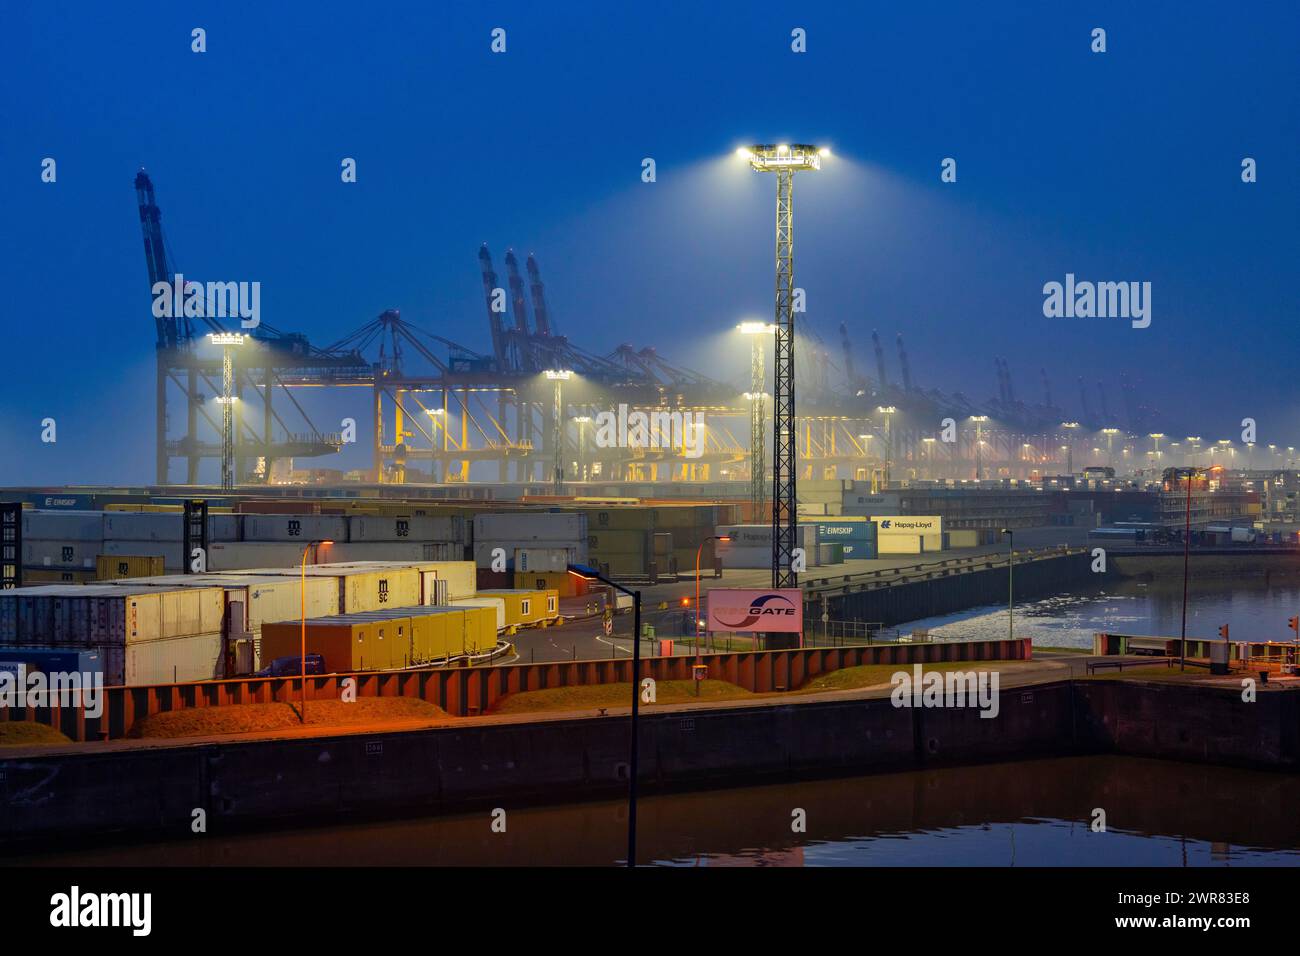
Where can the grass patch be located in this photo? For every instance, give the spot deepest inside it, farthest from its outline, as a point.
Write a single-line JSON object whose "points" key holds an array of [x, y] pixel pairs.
{"points": [[595, 696], [25, 733], [261, 718], [871, 675], [1062, 650]]}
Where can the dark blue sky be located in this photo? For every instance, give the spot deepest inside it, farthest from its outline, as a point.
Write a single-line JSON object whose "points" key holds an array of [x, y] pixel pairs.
{"points": [[1121, 166]]}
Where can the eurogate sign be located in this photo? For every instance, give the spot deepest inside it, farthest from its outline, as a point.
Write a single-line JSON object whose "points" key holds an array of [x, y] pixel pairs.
{"points": [[752, 609]]}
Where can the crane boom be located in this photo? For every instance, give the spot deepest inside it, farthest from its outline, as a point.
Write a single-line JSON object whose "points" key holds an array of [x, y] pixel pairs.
{"points": [[499, 348], [850, 372], [1105, 412], [523, 334], [880, 359], [903, 365], [540, 315], [155, 256]]}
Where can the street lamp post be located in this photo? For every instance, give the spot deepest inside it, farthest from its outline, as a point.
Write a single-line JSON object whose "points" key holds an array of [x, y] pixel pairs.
{"points": [[1190, 473], [559, 377], [757, 415], [302, 663], [979, 421], [699, 551], [888, 411], [1069, 448], [583, 571], [437, 420], [1110, 434], [581, 421], [1011, 588], [227, 341]]}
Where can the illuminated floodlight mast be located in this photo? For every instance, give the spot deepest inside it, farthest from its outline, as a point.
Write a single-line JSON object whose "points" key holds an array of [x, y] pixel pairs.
{"points": [[784, 159], [559, 377], [228, 341], [757, 415]]}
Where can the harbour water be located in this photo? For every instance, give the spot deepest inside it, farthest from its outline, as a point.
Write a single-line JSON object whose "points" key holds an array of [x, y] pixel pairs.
{"points": [[1256, 608], [1077, 811]]}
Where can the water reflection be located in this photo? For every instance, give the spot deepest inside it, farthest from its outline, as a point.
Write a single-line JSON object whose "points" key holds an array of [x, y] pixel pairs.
{"points": [[1036, 813], [1256, 606]]}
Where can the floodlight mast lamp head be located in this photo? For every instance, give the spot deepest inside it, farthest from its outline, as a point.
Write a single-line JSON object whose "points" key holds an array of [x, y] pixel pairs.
{"points": [[769, 157]]}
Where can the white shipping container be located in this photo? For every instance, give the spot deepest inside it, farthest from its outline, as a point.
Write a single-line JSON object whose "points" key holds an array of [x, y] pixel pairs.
{"points": [[63, 526], [412, 551], [143, 526], [295, 528], [225, 527], [543, 559], [175, 660], [460, 576], [61, 554], [522, 528], [493, 602], [418, 528], [254, 554], [266, 598], [107, 614], [362, 588]]}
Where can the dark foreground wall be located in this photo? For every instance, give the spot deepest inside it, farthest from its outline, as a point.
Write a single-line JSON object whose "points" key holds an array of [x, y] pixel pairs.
{"points": [[156, 790]]}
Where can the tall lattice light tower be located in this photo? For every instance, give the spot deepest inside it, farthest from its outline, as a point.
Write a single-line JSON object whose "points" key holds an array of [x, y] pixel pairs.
{"points": [[228, 342], [784, 159], [757, 414], [559, 376]]}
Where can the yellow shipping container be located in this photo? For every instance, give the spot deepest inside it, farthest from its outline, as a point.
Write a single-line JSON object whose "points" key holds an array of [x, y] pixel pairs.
{"points": [[348, 643], [437, 636], [480, 629], [385, 640], [527, 607], [57, 576], [561, 582], [115, 567]]}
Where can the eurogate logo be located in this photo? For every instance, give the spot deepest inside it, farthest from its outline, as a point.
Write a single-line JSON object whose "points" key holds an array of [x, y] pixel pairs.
{"points": [[768, 604], [748, 609]]}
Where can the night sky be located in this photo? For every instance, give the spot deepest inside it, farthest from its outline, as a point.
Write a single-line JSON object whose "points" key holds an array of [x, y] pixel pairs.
{"points": [[1122, 166]]}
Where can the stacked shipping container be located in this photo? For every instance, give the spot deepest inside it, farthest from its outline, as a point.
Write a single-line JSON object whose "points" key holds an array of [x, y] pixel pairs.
{"points": [[143, 636]]}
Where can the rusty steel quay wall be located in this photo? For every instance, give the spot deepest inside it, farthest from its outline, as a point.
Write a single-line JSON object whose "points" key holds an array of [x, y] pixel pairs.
{"points": [[467, 692]]}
